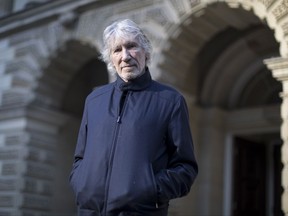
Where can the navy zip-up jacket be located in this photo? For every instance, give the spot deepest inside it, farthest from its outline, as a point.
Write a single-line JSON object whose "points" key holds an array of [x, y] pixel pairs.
{"points": [[134, 151]]}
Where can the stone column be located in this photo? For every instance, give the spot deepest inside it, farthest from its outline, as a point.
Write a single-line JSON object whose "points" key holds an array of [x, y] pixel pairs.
{"points": [[29, 139], [210, 155], [279, 68]]}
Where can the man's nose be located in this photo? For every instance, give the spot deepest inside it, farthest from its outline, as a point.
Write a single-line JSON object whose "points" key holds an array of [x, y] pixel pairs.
{"points": [[126, 55]]}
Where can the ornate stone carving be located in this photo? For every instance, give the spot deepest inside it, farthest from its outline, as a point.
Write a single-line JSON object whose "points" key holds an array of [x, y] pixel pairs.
{"points": [[182, 6], [91, 25], [285, 28], [158, 16], [281, 9], [267, 3]]}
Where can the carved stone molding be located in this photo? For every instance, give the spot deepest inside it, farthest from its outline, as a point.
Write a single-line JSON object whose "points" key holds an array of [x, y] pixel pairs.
{"points": [[279, 68], [267, 3], [275, 13], [281, 9]]}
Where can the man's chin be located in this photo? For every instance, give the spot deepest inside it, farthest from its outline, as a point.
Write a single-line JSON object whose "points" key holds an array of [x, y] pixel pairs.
{"points": [[130, 77]]}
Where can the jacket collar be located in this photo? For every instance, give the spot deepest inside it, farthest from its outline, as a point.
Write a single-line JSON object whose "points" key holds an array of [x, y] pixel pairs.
{"points": [[136, 84]]}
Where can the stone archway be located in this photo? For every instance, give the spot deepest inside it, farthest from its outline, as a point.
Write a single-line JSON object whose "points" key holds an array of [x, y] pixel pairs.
{"points": [[37, 75], [71, 75], [182, 23], [29, 96], [174, 19], [273, 13]]}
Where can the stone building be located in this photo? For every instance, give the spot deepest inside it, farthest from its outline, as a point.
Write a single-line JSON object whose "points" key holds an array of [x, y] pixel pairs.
{"points": [[229, 58]]}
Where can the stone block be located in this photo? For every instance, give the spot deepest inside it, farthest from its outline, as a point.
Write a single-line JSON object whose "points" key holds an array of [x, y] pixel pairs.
{"points": [[14, 139], [30, 185], [46, 188], [36, 202], [9, 154], [2, 140], [5, 82], [9, 169], [284, 152], [8, 184], [7, 200], [9, 54], [284, 131], [5, 213], [285, 202], [2, 68], [38, 170], [285, 186], [284, 108]]}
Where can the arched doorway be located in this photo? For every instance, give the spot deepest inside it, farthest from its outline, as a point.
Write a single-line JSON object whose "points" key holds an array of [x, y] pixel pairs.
{"points": [[234, 95], [90, 75], [233, 78], [257, 175], [74, 71]]}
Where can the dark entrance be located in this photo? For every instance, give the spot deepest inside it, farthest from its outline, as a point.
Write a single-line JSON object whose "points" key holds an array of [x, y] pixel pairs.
{"points": [[256, 177]]}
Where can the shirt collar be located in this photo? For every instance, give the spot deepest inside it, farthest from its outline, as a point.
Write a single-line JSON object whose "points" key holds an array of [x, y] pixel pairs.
{"points": [[136, 84]]}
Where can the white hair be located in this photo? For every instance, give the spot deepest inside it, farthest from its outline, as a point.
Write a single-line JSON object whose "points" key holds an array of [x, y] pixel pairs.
{"points": [[123, 29]]}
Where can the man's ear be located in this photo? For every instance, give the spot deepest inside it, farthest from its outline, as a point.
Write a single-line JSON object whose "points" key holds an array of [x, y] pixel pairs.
{"points": [[112, 64]]}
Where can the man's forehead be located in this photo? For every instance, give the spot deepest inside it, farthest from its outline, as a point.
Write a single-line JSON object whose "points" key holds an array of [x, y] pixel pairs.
{"points": [[117, 41]]}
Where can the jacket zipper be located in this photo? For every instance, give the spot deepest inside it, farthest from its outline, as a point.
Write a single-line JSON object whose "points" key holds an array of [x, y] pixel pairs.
{"points": [[123, 101]]}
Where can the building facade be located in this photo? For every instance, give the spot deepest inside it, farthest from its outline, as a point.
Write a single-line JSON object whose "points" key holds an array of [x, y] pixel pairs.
{"points": [[229, 58]]}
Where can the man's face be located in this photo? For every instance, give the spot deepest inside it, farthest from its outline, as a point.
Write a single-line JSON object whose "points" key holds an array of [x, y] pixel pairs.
{"points": [[128, 58]]}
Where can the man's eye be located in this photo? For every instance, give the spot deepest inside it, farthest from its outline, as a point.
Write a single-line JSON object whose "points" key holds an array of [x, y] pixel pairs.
{"points": [[117, 50], [132, 45]]}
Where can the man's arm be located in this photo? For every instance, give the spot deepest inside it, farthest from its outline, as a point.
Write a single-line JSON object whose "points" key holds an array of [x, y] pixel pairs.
{"points": [[177, 179], [81, 141]]}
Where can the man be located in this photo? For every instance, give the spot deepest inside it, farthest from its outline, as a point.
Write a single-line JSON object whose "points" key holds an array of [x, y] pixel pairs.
{"points": [[134, 151]]}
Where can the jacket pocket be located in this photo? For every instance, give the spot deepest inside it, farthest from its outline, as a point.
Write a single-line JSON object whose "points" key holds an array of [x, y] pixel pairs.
{"points": [[86, 212], [152, 176], [74, 178]]}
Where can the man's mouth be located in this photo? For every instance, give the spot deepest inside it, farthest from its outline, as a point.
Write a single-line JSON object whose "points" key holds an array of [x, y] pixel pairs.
{"points": [[128, 66]]}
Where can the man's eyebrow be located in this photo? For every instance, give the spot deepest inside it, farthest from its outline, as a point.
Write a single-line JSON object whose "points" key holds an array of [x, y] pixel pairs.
{"points": [[131, 43]]}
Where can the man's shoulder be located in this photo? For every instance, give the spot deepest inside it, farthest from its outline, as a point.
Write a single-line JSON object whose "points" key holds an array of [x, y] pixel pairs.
{"points": [[166, 91], [100, 90]]}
